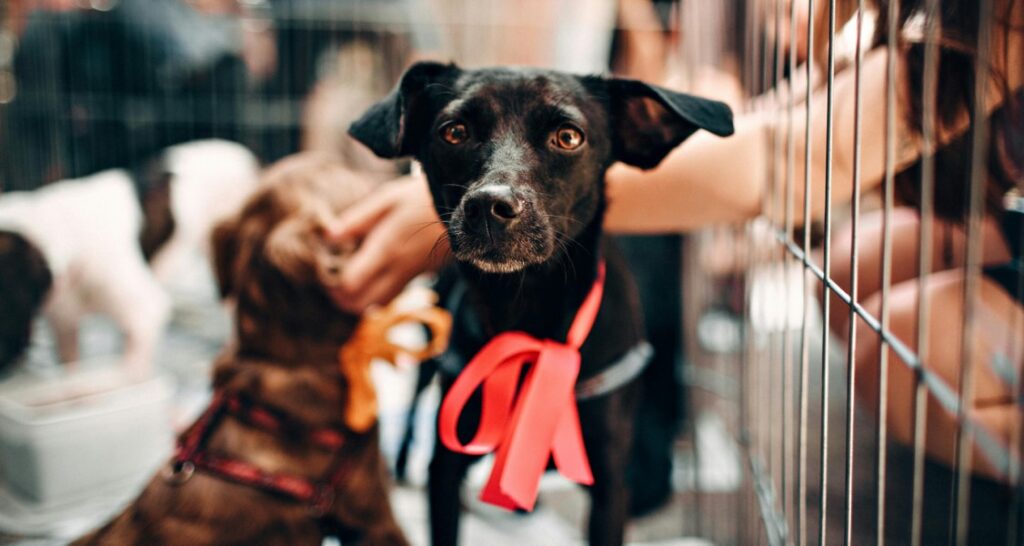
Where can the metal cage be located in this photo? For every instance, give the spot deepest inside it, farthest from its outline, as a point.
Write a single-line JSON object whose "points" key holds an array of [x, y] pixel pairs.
{"points": [[790, 393]]}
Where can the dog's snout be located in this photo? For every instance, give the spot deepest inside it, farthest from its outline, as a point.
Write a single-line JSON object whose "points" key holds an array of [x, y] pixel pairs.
{"points": [[495, 204]]}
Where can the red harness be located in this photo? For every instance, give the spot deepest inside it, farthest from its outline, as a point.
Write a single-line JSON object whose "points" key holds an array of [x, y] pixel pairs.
{"points": [[190, 455]]}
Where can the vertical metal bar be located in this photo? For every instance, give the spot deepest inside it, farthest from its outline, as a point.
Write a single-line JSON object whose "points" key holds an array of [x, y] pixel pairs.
{"points": [[826, 268], [930, 77], [691, 404], [758, 387], [747, 424], [1014, 445], [156, 99], [749, 432], [750, 70], [762, 258], [804, 339], [788, 418], [851, 347], [63, 83], [746, 514], [888, 203], [777, 370], [765, 19], [979, 173]]}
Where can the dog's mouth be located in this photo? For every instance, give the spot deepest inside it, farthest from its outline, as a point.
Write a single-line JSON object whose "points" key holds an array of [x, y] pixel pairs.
{"points": [[494, 244]]}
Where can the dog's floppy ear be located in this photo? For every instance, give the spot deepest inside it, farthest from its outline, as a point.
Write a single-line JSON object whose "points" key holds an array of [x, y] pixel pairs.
{"points": [[389, 127], [649, 121], [224, 241]]}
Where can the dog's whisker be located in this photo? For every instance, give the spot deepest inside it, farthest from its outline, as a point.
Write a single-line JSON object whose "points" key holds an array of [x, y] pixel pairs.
{"points": [[567, 240], [567, 218], [439, 246], [424, 225], [563, 243], [519, 290]]}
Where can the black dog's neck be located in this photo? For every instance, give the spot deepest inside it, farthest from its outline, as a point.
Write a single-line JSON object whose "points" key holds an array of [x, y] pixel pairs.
{"points": [[541, 300]]}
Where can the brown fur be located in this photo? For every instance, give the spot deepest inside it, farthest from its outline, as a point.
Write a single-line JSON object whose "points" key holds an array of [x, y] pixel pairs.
{"points": [[272, 259], [153, 184]]}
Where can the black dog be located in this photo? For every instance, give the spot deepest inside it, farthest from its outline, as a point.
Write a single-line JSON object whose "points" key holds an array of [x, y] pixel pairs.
{"points": [[516, 161]]}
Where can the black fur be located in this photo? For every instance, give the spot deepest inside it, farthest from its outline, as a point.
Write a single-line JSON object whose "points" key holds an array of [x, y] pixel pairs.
{"points": [[524, 221], [25, 280], [152, 182]]}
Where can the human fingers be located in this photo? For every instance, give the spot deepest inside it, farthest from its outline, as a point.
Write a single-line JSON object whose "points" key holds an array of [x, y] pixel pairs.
{"points": [[360, 218], [379, 290]]}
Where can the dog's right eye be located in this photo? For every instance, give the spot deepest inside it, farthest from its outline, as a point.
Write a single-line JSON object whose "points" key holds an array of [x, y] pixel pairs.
{"points": [[568, 137], [454, 132]]}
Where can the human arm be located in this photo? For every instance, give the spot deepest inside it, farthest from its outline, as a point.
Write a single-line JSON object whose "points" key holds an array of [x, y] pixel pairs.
{"points": [[709, 180]]}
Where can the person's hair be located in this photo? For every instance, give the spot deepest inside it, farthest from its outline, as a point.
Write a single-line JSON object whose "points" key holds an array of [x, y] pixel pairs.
{"points": [[844, 12], [959, 22]]}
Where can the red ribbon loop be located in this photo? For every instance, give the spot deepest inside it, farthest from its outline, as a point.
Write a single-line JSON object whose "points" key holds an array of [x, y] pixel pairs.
{"points": [[542, 423]]}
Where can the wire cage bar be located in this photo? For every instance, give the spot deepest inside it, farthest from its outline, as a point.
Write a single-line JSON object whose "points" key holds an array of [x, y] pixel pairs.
{"points": [[819, 450]]}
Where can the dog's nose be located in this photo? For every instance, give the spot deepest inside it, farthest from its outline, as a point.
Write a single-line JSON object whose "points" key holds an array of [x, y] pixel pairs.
{"points": [[495, 203]]}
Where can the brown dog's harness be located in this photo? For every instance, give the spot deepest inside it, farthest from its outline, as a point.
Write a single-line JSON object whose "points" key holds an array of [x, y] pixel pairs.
{"points": [[191, 456], [368, 341]]}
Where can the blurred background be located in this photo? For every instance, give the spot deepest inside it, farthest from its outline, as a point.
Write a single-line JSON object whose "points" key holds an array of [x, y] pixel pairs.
{"points": [[749, 411]]}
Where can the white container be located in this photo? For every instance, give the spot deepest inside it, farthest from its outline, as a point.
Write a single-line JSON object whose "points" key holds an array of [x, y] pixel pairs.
{"points": [[71, 437]]}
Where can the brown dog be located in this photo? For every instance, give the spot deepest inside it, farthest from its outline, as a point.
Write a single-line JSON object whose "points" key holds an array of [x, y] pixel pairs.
{"points": [[273, 461]]}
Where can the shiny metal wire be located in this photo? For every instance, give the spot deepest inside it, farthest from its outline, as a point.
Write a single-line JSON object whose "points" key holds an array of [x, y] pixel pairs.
{"points": [[851, 347], [826, 266], [972, 268], [888, 202], [928, 101], [804, 398]]}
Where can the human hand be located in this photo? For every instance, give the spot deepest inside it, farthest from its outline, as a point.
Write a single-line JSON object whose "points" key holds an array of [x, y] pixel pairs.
{"points": [[399, 235]]}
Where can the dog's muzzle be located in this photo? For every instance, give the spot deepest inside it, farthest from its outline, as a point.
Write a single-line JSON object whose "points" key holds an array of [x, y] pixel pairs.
{"points": [[499, 231]]}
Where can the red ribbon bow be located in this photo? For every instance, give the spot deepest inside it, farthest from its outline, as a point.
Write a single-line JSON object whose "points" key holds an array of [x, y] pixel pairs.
{"points": [[543, 422]]}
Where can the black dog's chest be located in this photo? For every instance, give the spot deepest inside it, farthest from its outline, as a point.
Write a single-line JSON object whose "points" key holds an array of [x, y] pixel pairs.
{"points": [[467, 335], [613, 355]]}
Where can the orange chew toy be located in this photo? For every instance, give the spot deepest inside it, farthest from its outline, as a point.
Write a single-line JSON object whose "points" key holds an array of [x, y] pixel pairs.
{"points": [[370, 341]]}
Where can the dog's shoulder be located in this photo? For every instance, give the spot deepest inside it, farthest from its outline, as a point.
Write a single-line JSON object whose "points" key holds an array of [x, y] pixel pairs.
{"points": [[618, 327]]}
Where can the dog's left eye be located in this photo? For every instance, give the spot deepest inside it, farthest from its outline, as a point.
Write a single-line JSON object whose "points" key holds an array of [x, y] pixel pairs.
{"points": [[454, 132], [568, 137]]}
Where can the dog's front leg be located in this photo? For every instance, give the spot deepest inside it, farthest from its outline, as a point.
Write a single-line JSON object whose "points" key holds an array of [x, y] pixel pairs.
{"points": [[444, 483], [141, 308], [63, 314], [142, 335], [366, 504], [607, 424]]}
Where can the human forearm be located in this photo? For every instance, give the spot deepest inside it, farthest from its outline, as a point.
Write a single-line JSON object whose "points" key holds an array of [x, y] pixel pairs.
{"points": [[713, 181], [706, 181]]}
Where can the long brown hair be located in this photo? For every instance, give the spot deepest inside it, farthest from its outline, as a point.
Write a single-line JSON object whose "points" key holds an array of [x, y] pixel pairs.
{"points": [[959, 23]]}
